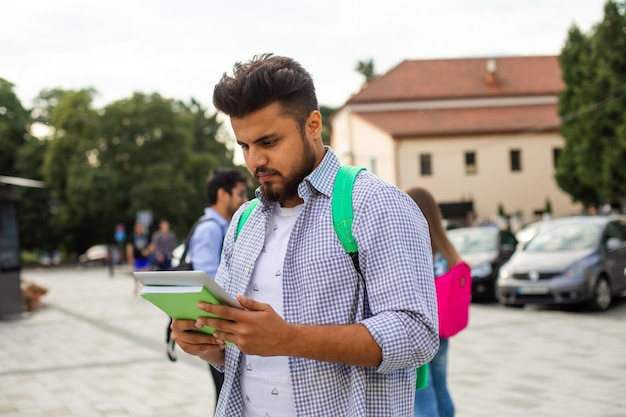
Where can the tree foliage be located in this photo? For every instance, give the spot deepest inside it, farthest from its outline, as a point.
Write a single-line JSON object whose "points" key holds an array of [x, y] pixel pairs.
{"points": [[326, 126], [592, 107], [14, 122], [366, 68], [21, 155], [102, 166]]}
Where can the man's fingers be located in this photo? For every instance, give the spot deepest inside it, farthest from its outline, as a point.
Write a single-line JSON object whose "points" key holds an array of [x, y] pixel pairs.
{"points": [[251, 304], [182, 325]]}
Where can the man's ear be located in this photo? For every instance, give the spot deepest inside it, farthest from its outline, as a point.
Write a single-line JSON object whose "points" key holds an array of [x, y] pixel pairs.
{"points": [[314, 124], [222, 194]]}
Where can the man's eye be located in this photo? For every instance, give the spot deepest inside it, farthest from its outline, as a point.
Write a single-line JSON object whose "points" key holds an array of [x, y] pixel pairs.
{"points": [[243, 146]]}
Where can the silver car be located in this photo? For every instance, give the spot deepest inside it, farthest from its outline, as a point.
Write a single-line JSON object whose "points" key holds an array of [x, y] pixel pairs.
{"points": [[579, 259]]}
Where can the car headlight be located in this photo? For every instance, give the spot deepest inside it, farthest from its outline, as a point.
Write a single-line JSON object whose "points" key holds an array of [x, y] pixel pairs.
{"points": [[482, 270], [505, 273]]}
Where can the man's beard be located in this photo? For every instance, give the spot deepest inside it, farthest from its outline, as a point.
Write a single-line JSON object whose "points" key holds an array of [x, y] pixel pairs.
{"points": [[289, 189]]}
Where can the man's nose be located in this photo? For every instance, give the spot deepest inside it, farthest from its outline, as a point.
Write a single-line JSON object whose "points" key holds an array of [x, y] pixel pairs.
{"points": [[257, 157]]}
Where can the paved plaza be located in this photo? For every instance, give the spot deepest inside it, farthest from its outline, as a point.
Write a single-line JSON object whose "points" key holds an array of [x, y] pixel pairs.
{"points": [[95, 349]]}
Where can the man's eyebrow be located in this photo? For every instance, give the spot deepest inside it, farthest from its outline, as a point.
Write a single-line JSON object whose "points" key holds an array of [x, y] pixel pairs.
{"points": [[259, 139]]}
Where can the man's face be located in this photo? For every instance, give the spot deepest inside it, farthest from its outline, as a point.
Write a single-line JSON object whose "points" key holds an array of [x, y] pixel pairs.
{"points": [[139, 230], [238, 195], [276, 153]]}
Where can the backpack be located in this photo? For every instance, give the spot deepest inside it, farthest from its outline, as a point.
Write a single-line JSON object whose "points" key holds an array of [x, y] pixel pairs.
{"points": [[184, 264], [454, 295], [343, 215]]}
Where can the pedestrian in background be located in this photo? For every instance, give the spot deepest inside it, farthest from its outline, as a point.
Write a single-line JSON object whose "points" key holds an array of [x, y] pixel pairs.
{"points": [[163, 243], [435, 400], [226, 191], [139, 251]]}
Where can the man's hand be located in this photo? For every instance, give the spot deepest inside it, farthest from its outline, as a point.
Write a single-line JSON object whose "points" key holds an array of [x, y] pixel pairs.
{"points": [[258, 330], [203, 345]]}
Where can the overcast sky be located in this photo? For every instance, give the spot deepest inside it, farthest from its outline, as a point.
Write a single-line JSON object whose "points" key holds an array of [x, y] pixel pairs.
{"points": [[181, 48]]}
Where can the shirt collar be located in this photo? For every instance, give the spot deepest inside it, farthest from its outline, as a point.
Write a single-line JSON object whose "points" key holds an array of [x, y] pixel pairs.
{"points": [[210, 212], [322, 178]]}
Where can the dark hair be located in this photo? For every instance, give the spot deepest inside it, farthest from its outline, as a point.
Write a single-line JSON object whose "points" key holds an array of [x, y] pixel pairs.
{"points": [[262, 81], [438, 237], [224, 178]]}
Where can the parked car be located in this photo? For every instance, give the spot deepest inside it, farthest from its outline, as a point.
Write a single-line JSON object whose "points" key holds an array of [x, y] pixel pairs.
{"points": [[485, 249], [527, 232], [101, 255], [50, 258], [580, 259]]}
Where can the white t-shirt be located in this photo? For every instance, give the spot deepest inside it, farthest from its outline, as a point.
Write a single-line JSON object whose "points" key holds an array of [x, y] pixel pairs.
{"points": [[265, 381]]}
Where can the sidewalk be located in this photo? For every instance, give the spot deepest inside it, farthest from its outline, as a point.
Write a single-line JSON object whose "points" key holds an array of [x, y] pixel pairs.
{"points": [[94, 349]]}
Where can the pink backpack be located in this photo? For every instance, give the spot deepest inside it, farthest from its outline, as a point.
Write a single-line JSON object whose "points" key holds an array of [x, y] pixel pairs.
{"points": [[454, 294]]}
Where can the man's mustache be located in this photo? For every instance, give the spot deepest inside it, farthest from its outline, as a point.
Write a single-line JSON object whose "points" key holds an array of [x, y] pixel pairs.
{"points": [[266, 171]]}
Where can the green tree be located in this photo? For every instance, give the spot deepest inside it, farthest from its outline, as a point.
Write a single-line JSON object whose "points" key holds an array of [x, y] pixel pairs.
{"points": [[548, 207], [22, 155], [326, 127], [366, 68], [14, 124], [66, 165], [143, 150], [102, 166], [207, 134], [34, 207], [593, 111]]}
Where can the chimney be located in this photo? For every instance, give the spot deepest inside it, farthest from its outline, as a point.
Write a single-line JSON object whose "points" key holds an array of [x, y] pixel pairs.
{"points": [[491, 78]]}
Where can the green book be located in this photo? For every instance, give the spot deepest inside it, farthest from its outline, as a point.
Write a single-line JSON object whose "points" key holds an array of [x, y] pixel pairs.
{"points": [[177, 293]]}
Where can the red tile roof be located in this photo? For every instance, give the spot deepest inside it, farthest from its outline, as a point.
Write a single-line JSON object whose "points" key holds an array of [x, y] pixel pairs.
{"points": [[464, 78], [463, 121]]}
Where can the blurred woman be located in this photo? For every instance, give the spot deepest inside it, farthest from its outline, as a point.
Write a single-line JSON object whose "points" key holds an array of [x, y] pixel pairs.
{"points": [[435, 400]]}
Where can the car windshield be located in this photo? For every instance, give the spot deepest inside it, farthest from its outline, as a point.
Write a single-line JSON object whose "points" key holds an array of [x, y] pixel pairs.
{"points": [[474, 240], [565, 237]]}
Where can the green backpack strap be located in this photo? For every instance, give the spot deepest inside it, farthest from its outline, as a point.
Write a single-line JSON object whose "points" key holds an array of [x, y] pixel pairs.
{"points": [[244, 216], [341, 207], [342, 211], [341, 204]]}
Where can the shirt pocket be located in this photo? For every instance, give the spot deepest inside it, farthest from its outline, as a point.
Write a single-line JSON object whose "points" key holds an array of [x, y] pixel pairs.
{"points": [[327, 290]]}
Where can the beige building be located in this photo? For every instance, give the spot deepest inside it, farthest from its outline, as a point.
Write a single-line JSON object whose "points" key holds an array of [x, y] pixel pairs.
{"points": [[480, 134]]}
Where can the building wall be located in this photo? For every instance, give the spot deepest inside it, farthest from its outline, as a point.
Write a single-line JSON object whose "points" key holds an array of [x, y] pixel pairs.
{"points": [[397, 161], [357, 142], [340, 135], [494, 183]]}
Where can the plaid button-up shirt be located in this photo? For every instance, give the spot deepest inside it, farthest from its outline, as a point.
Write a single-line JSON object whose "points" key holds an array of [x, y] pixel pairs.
{"points": [[395, 297]]}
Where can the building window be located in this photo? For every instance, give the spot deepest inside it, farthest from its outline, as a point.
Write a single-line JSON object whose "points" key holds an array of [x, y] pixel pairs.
{"points": [[470, 163], [426, 168], [516, 160], [556, 154]]}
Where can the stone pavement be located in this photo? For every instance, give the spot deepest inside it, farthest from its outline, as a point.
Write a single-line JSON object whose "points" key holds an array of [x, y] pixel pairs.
{"points": [[94, 349]]}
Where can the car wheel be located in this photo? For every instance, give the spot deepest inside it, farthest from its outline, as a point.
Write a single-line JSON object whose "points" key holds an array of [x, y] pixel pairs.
{"points": [[601, 296]]}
